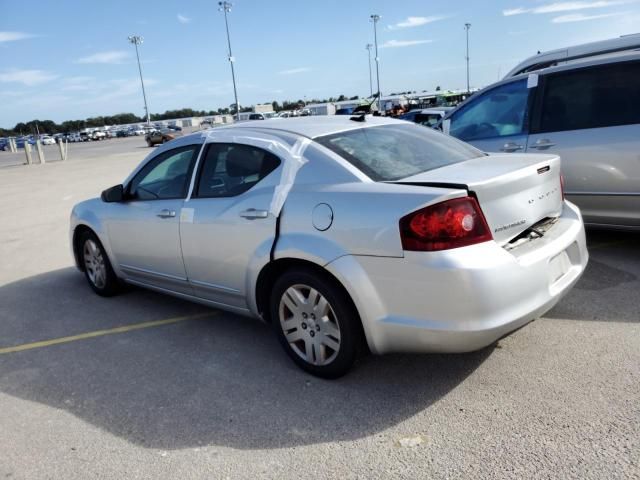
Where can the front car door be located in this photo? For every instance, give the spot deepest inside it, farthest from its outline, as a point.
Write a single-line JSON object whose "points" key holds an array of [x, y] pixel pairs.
{"points": [[496, 120], [591, 118], [144, 230], [226, 222]]}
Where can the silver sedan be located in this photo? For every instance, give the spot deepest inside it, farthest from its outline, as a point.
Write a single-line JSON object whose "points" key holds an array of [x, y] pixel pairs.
{"points": [[348, 235]]}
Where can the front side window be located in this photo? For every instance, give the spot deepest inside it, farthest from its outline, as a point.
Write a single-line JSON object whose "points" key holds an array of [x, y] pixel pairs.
{"points": [[500, 112], [596, 97], [396, 151], [230, 169], [166, 176]]}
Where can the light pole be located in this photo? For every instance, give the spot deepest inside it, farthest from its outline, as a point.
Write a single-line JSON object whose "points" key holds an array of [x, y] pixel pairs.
{"points": [[375, 19], [467, 26], [368, 47], [226, 8], [137, 40]]}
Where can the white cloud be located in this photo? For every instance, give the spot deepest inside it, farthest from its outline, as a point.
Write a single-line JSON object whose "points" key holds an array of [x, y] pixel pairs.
{"points": [[416, 22], [29, 78], [183, 19], [581, 17], [565, 7], [515, 11], [293, 71], [112, 57], [403, 43], [13, 36]]}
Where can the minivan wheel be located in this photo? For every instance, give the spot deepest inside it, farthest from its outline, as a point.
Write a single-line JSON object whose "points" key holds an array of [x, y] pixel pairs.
{"points": [[315, 323], [97, 268]]}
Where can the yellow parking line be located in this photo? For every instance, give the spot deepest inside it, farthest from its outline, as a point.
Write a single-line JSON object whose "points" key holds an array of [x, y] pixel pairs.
{"points": [[100, 333]]}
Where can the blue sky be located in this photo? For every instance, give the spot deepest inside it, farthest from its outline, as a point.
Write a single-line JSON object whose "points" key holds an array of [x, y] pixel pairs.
{"points": [[71, 60]]}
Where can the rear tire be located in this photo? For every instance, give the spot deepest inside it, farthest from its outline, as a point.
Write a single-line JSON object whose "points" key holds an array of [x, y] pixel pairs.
{"points": [[316, 323], [97, 267], [149, 143]]}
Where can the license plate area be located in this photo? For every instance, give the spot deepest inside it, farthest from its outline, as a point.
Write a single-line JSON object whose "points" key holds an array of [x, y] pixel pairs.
{"points": [[559, 266]]}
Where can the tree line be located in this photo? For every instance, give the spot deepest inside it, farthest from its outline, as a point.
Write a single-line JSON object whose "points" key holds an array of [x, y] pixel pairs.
{"points": [[49, 126]]}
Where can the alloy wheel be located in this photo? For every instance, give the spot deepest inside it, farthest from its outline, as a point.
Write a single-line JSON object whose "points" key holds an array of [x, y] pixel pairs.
{"points": [[94, 264]]}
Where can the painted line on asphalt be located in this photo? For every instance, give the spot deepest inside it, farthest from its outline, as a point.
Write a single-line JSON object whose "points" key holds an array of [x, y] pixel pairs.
{"points": [[101, 333]]}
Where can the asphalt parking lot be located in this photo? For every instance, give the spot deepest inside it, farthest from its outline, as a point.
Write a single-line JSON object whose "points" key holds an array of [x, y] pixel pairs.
{"points": [[146, 386]]}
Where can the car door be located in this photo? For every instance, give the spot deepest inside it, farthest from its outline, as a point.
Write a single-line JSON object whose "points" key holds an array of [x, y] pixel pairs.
{"points": [[226, 222], [144, 230], [496, 120], [591, 118]]}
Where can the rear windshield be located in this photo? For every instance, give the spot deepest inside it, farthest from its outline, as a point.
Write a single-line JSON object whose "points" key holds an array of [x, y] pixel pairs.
{"points": [[392, 152]]}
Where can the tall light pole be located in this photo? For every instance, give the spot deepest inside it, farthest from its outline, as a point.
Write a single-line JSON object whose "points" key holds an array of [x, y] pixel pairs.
{"points": [[226, 8], [137, 40], [375, 19], [467, 26], [369, 47]]}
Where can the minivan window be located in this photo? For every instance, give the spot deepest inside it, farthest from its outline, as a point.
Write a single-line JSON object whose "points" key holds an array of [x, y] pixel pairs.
{"points": [[499, 112], [602, 96], [393, 152]]}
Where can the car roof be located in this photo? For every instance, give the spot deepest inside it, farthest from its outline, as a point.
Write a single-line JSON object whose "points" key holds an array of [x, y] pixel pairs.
{"points": [[576, 52], [313, 126]]}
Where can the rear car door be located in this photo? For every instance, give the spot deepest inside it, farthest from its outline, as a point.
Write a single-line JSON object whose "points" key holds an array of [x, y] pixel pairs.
{"points": [[496, 120], [144, 231], [591, 118], [227, 222]]}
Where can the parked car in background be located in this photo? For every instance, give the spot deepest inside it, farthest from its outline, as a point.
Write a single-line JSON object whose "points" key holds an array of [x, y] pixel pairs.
{"points": [[246, 116], [391, 235], [587, 110], [20, 141], [138, 131], [345, 111], [121, 133], [156, 137], [47, 140], [429, 117], [4, 144], [175, 127]]}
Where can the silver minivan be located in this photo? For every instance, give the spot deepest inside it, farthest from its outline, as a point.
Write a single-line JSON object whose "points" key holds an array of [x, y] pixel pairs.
{"points": [[587, 110]]}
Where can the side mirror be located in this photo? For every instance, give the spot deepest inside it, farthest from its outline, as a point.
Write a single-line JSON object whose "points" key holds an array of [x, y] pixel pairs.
{"points": [[113, 194]]}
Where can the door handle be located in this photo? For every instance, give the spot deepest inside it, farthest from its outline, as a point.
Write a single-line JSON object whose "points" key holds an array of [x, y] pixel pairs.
{"points": [[166, 213], [253, 214], [542, 144], [511, 147]]}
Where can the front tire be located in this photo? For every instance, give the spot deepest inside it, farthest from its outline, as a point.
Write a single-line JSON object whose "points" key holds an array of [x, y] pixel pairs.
{"points": [[316, 323], [97, 268]]}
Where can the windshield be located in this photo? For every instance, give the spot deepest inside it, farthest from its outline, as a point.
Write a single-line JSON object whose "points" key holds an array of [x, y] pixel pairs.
{"points": [[392, 152]]}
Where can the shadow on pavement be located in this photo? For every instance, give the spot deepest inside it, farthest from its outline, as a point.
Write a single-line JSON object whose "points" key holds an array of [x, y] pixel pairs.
{"points": [[605, 291], [220, 380]]}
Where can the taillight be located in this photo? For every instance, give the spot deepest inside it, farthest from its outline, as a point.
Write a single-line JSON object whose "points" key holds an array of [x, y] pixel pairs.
{"points": [[451, 224], [562, 185]]}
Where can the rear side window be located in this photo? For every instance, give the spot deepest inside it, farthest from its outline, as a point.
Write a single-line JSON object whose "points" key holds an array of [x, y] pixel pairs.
{"points": [[499, 112], [603, 96], [393, 152], [230, 169]]}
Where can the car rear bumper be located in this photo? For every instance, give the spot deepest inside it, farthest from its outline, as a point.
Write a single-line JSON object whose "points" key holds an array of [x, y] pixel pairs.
{"points": [[463, 299]]}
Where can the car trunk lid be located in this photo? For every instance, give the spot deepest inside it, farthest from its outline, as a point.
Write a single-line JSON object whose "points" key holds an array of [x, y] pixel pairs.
{"points": [[514, 191]]}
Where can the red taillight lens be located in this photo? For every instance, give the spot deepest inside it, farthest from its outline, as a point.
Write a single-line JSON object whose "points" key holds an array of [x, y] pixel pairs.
{"points": [[562, 185], [451, 224]]}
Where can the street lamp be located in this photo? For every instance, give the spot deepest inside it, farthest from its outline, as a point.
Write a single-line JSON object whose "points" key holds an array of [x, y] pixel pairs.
{"points": [[368, 47], [226, 8], [467, 26], [137, 40], [375, 19]]}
